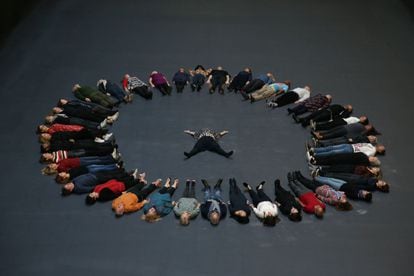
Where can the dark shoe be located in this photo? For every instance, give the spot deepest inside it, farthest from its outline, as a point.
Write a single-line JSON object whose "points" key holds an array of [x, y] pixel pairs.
{"points": [[289, 111], [221, 91], [260, 186], [230, 153], [211, 90], [193, 87], [218, 184], [198, 88], [205, 183], [248, 187], [297, 120], [289, 176], [244, 95], [187, 154]]}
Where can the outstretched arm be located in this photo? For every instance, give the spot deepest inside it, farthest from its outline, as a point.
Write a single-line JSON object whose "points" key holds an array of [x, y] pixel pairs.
{"points": [[224, 132], [189, 132]]}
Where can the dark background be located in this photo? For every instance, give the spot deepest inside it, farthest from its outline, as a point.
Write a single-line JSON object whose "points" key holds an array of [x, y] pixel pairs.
{"points": [[358, 51]]}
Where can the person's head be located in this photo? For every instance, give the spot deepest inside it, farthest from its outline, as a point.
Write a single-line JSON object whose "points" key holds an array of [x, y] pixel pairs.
{"points": [[248, 70], [50, 169], [375, 171], [46, 158], [307, 87], [49, 119], [57, 110], [343, 205], [219, 67], [372, 139], [295, 215], [119, 210], [62, 177], [348, 107], [383, 186], [270, 75], [42, 129], [328, 98], [269, 220], [185, 219], [67, 189], [127, 76], [45, 147], [288, 83], [214, 218], [318, 210], [151, 216], [370, 130], [374, 161], [44, 138], [76, 87], [364, 120], [154, 72], [181, 70], [62, 102], [380, 149]]}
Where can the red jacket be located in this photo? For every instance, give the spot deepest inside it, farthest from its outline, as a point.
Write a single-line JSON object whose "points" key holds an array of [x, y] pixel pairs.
{"points": [[310, 201], [67, 164], [60, 128], [114, 185]]}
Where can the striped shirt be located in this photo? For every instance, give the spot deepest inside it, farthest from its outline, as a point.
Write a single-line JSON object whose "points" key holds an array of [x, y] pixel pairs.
{"points": [[134, 82], [59, 155], [206, 132]]}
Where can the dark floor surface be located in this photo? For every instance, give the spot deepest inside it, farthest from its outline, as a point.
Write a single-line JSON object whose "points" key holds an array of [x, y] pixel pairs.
{"points": [[359, 51]]}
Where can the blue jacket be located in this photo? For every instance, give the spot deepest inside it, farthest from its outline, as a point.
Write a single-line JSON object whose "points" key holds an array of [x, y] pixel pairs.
{"points": [[161, 202]]}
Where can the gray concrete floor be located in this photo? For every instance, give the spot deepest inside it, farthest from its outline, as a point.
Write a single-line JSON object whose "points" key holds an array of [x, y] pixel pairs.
{"points": [[359, 51]]}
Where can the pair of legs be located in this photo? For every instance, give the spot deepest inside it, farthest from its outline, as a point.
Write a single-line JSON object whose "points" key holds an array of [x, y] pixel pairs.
{"points": [[217, 83], [197, 82], [285, 99], [258, 195], [143, 91], [212, 194], [332, 150], [164, 88], [209, 144], [263, 93], [179, 86], [96, 160], [254, 85], [189, 190]]}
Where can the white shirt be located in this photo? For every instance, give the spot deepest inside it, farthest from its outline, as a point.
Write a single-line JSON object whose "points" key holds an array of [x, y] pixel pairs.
{"points": [[302, 92], [265, 207], [366, 148], [351, 120]]}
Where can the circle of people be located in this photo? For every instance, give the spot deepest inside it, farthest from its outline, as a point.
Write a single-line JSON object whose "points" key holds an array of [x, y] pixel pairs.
{"points": [[84, 156]]}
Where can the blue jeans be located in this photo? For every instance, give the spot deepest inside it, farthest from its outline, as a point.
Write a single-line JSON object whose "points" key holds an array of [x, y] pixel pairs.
{"points": [[97, 168], [96, 160], [332, 150], [333, 182], [84, 183], [215, 194], [115, 91]]}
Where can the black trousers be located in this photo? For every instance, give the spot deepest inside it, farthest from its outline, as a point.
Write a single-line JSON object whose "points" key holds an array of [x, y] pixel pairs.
{"points": [[254, 85], [333, 141], [142, 193], [143, 91], [310, 184], [217, 82], [76, 135], [258, 196], [330, 124], [298, 110], [209, 144], [83, 112], [197, 81], [179, 86], [287, 98], [189, 190], [101, 151], [358, 158], [164, 88], [76, 121], [79, 144], [170, 190], [236, 84]]}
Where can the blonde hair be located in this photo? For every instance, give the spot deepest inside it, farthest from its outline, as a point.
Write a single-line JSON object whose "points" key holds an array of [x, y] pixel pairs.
{"points": [[44, 139], [184, 220], [151, 217], [48, 170]]}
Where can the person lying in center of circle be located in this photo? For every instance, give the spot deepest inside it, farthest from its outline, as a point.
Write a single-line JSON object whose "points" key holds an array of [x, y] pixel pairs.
{"points": [[207, 140]]}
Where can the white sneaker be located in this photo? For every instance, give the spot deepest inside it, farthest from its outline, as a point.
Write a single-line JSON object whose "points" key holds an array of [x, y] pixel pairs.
{"points": [[135, 174], [99, 140], [114, 117], [103, 123], [107, 136]]}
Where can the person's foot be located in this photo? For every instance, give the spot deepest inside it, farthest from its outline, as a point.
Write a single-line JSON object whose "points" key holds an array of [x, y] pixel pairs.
{"points": [[289, 111], [187, 182], [205, 183], [176, 182], [218, 184], [193, 87], [167, 182], [366, 196], [135, 173], [108, 136], [296, 118], [103, 124], [211, 90], [193, 182], [198, 88], [221, 91], [248, 187], [230, 153], [114, 117], [289, 176], [252, 100], [315, 172], [312, 124], [260, 186], [272, 104], [157, 182], [187, 154], [244, 95]]}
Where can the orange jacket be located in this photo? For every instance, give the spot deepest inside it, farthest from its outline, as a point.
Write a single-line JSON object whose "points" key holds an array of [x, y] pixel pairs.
{"points": [[130, 202]]}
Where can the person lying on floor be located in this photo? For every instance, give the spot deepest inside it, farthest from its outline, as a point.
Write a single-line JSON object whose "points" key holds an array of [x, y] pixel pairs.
{"points": [[187, 207], [70, 163], [325, 114], [311, 104], [357, 158], [238, 204], [318, 126], [346, 130], [89, 94], [268, 90], [213, 208], [112, 89], [207, 140], [366, 148], [198, 77], [160, 82], [240, 80], [137, 86], [296, 95], [287, 203], [262, 205], [180, 79], [349, 138], [218, 79], [258, 82]]}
